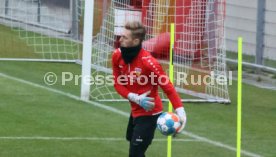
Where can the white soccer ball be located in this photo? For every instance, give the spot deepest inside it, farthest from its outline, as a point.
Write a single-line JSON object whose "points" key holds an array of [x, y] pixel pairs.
{"points": [[168, 123]]}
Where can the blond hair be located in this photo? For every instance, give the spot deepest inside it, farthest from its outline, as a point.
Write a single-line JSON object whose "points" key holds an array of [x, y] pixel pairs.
{"points": [[137, 29]]}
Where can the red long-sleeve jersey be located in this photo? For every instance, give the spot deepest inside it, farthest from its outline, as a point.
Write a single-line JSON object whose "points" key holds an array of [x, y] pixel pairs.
{"points": [[143, 74]]}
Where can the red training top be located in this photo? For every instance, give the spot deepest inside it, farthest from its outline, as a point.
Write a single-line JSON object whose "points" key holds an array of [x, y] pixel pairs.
{"points": [[143, 74]]}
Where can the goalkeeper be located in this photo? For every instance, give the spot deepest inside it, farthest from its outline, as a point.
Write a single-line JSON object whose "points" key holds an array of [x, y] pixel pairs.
{"points": [[137, 76]]}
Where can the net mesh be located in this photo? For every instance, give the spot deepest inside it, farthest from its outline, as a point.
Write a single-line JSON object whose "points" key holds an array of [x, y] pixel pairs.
{"points": [[53, 30], [199, 50]]}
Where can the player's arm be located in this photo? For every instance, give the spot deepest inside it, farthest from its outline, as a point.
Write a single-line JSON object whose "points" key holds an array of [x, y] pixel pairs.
{"points": [[119, 87], [164, 82]]}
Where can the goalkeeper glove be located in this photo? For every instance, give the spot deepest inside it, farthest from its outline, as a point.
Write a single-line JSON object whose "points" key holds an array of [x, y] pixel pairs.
{"points": [[142, 100], [182, 116]]}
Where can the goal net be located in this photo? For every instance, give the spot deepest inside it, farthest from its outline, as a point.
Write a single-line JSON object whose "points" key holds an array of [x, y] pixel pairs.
{"points": [[199, 50], [52, 30]]}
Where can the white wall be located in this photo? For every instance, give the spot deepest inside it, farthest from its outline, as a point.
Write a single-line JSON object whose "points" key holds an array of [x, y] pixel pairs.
{"points": [[55, 17], [241, 20], [270, 29]]}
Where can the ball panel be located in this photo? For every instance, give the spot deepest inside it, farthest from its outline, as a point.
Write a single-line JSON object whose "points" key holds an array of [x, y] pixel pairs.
{"points": [[177, 125], [169, 123], [159, 127], [175, 118], [170, 131], [168, 116], [161, 121]]}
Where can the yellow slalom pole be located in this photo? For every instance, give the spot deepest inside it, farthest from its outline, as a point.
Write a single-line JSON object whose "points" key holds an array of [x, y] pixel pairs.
{"points": [[169, 145], [239, 105]]}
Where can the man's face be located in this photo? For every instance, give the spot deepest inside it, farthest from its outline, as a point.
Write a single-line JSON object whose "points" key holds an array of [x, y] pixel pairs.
{"points": [[126, 39]]}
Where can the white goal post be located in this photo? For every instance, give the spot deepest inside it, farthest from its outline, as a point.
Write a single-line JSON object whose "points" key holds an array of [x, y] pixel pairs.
{"points": [[87, 49]]}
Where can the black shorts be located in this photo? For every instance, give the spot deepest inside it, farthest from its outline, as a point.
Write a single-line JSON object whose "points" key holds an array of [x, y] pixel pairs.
{"points": [[140, 132]]}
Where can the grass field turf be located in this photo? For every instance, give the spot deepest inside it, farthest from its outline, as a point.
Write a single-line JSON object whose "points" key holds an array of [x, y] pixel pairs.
{"points": [[28, 111]]}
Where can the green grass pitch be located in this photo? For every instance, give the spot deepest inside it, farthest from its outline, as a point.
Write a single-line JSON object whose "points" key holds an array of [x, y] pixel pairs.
{"points": [[36, 121]]}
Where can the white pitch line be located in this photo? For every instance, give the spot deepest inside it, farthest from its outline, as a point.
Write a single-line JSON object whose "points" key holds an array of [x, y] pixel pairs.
{"points": [[218, 144], [88, 139], [189, 134]]}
